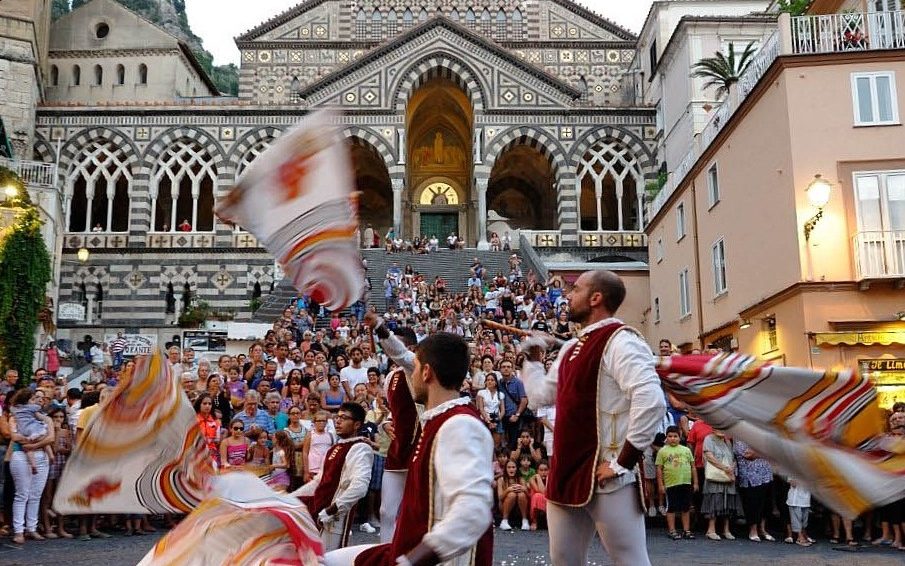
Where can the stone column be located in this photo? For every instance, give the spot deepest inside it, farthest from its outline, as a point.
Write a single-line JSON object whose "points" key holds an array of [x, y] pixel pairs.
{"points": [[398, 186], [481, 186]]}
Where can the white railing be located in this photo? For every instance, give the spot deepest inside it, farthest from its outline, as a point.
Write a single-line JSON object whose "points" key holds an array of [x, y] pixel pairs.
{"points": [[848, 31], [717, 120], [758, 66], [879, 254], [34, 173]]}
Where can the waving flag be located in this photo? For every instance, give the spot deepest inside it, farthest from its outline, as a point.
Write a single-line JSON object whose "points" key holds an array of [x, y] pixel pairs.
{"points": [[242, 522], [142, 452], [298, 199], [825, 428]]}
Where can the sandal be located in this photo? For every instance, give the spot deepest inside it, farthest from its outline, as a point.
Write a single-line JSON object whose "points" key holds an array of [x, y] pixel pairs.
{"points": [[803, 543], [674, 535], [790, 540], [852, 542], [833, 540], [688, 535]]}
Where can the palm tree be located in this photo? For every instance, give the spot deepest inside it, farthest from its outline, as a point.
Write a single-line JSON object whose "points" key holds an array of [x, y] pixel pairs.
{"points": [[722, 70]]}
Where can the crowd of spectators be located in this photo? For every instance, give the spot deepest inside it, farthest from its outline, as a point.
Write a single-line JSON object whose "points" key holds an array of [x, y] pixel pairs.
{"points": [[271, 409]]}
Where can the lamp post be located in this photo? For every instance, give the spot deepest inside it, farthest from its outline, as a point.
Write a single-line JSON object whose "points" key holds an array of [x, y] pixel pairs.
{"points": [[818, 193]]}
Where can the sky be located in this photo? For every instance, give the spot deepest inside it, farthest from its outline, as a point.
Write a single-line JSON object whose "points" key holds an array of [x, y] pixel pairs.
{"points": [[217, 22]]}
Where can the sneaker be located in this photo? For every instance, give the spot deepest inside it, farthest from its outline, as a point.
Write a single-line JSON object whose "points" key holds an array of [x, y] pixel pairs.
{"points": [[504, 525], [525, 525], [367, 528], [651, 511]]}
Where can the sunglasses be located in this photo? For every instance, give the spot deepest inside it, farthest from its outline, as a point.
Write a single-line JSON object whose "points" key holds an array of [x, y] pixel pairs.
{"points": [[320, 421], [238, 428]]}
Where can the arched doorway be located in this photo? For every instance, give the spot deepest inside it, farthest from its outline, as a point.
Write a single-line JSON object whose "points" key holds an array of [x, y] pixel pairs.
{"points": [[375, 205], [521, 190], [439, 126]]}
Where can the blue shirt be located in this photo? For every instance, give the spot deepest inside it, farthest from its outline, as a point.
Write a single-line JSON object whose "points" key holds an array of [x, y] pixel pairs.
{"points": [[516, 392], [751, 473], [261, 420]]}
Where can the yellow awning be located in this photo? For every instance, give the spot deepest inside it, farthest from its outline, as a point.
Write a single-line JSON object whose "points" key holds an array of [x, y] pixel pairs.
{"points": [[866, 338]]}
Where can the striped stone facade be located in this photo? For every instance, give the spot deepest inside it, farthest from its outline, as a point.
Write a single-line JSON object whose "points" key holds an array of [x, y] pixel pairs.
{"points": [[539, 90]]}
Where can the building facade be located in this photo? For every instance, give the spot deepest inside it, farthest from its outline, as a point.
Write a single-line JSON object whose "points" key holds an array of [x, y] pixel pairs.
{"points": [[785, 237], [454, 113]]}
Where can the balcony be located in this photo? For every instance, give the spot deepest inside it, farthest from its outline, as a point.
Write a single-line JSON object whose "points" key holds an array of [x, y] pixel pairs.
{"points": [[845, 32], [33, 173], [879, 255]]}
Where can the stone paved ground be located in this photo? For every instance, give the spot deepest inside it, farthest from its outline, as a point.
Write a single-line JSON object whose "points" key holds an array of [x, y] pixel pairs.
{"points": [[515, 548]]}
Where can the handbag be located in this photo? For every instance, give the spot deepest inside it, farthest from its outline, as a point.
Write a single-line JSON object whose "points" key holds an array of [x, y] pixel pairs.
{"points": [[714, 474]]}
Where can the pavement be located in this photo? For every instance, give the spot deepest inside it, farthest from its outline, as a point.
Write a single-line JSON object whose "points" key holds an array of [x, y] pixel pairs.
{"points": [[510, 549]]}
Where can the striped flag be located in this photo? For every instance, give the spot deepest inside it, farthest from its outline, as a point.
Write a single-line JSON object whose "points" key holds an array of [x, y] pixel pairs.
{"points": [[825, 428], [298, 199], [142, 451]]}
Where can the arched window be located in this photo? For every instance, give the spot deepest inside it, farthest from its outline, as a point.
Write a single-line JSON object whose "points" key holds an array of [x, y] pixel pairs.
{"points": [[76, 75], [469, 19], [186, 297], [257, 149], [99, 302], [422, 16], [407, 18], [54, 75], [454, 15], [582, 87], [98, 75], [170, 300], [120, 75], [392, 23], [98, 184], [142, 74], [518, 25], [501, 24], [361, 24], [375, 24], [80, 296], [486, 22], [256, 291], [182, 189], [610, 180]]}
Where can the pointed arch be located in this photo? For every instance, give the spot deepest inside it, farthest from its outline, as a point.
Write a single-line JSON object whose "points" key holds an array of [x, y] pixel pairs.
{"points": [[611, 182], [183, 185], [392, 23], [249, 146], [407, 18], [439, 65]]}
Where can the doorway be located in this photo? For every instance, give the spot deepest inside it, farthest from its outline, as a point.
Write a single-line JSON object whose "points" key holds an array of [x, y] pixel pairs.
{"points": [[439, 224]]}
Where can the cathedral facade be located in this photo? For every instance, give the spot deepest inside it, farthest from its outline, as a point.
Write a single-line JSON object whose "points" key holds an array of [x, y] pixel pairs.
{"points": [[455, 111]]}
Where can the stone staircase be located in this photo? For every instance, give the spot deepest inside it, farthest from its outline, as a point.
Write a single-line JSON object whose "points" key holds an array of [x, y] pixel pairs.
{"points": [[451, 265]]}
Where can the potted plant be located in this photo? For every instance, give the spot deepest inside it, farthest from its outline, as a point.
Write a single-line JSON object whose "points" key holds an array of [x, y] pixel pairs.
{"points": [[195, 315]]}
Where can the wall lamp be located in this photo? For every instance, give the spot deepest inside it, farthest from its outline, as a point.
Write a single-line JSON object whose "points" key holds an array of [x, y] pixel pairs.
{"points": [[82, 254], [818, 193], [746, 323]]}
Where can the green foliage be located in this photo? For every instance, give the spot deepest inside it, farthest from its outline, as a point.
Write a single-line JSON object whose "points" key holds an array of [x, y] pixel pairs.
{"points": [[653, 187], [24, 274], [59, 8], [794, 7], [195, 315], [254, 304], [721, 71], [226, 77]]}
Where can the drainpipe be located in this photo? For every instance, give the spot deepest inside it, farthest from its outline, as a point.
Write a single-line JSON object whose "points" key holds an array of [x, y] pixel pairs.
{"points": [[697, 264]]}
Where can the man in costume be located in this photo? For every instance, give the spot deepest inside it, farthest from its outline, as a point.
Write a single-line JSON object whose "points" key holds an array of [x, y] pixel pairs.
{"points": [[445, 515], [404, 425], [332, 494], [592, 481]]}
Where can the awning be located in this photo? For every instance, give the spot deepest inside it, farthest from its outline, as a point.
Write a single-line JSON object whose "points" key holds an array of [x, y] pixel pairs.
{"points": [[882, 338]]}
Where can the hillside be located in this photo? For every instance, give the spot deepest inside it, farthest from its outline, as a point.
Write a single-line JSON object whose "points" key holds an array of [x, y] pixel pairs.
{"points": [[170, 15]]}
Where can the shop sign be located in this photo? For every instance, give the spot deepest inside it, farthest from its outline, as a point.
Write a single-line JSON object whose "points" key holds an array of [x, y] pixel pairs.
{"points": [[136, 344], [894, 364], [884, 338]]}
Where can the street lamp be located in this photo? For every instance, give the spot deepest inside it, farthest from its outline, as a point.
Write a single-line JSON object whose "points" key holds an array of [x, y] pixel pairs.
{"points": [[82, 254], [818, 193]]}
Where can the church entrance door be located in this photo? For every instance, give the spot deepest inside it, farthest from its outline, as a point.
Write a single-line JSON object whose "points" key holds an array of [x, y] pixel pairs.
{"points": [[439, 224]]}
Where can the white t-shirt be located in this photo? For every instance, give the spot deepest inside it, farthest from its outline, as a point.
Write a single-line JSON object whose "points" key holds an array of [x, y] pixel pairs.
{"points": [[549, 413], [491, 402], [354, 376], [491, 298]]}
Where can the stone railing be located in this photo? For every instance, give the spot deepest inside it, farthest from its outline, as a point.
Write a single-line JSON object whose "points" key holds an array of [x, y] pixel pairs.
{"points": [[542, 238], [530, 258], [34, 173]]}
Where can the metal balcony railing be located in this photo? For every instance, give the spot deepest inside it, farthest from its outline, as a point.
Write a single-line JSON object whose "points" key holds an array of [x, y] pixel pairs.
{"points": [[848, 31], [879, 254]]}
